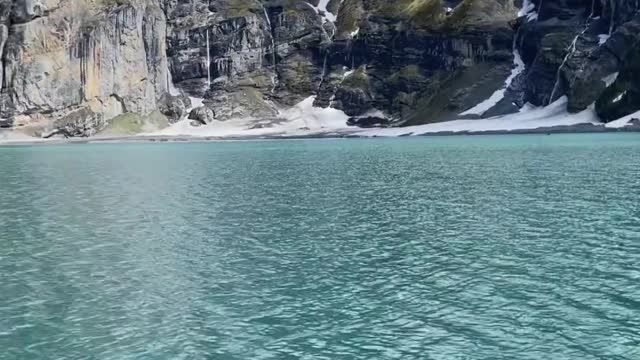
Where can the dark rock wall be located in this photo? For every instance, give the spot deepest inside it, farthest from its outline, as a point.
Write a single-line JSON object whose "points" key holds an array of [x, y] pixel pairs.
{"points": [[575, 47]]}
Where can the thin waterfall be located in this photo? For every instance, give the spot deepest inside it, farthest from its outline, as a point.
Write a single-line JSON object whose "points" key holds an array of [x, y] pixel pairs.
{"points": [[324, 69], [208, 62], [274, 78], [570, 51]]}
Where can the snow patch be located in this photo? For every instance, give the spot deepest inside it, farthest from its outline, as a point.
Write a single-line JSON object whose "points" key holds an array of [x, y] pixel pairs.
{"points": [[499, 94], [195, 103], [602, 38], [555, 114], [12, 136], [623, 121], [619, 97], [347, 73], [322, 10], [528, 10], [374, 113], [315, 118], [355, 32], [301, 119], [610, 79]]}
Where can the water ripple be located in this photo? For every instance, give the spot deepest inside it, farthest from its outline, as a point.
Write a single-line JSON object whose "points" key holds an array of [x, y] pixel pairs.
{"points": [[522, 247]]}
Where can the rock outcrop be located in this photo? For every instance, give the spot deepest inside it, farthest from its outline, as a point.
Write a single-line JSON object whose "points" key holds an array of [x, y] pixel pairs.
{"points": [[585, 50], [72, 66]]}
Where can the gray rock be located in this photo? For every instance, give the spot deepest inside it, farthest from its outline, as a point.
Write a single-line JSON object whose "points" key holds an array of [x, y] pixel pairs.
{"points": [[80, 123], [174, 107], [203, 114]]}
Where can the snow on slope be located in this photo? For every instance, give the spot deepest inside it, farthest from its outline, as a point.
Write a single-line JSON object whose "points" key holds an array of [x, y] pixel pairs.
{"points": [[322, 9], [498, 95], [623, 121], [555, 114], [301, 119], [10, 136], [528, 10], [305, 119]]}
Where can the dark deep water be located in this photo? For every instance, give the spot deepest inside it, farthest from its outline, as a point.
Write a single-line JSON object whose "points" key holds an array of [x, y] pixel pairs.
{"points": [[488, 247]]}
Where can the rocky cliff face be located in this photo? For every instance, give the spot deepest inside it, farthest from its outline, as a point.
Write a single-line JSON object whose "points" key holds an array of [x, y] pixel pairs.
{"points": [[73, 66], [586, 50]]}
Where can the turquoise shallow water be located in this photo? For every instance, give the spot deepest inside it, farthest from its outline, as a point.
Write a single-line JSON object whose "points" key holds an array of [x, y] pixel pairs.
{"points": [[489, 247]]}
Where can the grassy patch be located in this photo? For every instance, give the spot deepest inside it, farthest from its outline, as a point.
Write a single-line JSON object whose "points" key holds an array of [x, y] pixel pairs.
{"points": [[240, 8], [407, 73], [357, 80], [133, 123], [129, 123], [349, 16], [419, 13]]}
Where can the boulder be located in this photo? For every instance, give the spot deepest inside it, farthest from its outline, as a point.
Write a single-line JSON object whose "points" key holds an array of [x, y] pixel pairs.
{"points": [[174, 107], [368, 121], [83, 122], [203, 115]]}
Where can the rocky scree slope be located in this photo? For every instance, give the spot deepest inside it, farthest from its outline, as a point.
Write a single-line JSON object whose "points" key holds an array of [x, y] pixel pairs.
{"points": [[83, 67]]}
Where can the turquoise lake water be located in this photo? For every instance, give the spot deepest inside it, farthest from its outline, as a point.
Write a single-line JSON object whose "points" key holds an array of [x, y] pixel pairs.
{"points": [[477, 247]]}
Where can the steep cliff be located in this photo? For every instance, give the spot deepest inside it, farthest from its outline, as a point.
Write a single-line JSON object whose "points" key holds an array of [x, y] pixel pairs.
{"points": [[73, 64], [586, 50], [74, 67]]}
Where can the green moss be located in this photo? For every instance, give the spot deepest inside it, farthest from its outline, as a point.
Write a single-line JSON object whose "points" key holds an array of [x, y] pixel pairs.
{"points": [[357, 80], [431, 15], [129, 123], [253, 94], [448, 92], [240, 8], [349, 16], [157, 119], [408, 73], [133, 123], [419, 13], [334, 6]]}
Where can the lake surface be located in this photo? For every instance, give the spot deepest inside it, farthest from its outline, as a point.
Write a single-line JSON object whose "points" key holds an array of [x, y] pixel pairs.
{"points": [[482, 247]]}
